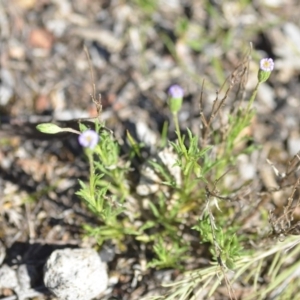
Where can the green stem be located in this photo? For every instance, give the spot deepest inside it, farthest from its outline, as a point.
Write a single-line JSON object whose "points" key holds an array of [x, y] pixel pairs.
{"points": [[253, 96], [180, 141], [241, 123], [92, 171]]}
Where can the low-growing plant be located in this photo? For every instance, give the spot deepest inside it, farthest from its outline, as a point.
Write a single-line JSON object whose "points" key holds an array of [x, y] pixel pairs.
{"points": [[182, 190]]}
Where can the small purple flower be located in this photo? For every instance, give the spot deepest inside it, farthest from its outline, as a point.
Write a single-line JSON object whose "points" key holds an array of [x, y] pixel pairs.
{"points": [[176, 91], [88, 139], [267, 64]]}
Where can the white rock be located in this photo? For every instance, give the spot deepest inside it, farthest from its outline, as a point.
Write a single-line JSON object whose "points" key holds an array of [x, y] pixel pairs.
{"points": [[6, 94], [246, 168], [2, 252], [150, 181], [72, 274], [169, 159], [70, 114], [293, 32], [273, 3], [25, 274], [8, 278], [145, 134], [293, 144], [266, 97]]}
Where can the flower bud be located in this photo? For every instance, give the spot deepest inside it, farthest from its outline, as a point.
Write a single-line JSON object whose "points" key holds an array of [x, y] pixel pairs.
{"points": [[176, 92]]}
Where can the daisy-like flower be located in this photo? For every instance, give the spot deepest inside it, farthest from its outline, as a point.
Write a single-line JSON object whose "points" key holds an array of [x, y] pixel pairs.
{"points": [[88, 139], [176, 91], [266, 67], [267, 64]]}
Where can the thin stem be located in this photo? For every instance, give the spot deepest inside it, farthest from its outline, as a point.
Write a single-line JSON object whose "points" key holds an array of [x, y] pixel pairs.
{"points": [[92, 171], [71, 130], [180, 141], [253, 96]]}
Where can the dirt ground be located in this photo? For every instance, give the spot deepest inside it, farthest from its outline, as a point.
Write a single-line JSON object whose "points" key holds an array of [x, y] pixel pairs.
{"points": [[137, 50]]}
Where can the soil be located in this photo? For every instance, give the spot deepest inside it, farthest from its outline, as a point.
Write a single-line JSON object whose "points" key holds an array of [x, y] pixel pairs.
{"points": [[136, 51]]}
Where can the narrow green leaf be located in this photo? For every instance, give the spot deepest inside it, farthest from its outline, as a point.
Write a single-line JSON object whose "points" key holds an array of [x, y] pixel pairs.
{"points": [[135, 146]]}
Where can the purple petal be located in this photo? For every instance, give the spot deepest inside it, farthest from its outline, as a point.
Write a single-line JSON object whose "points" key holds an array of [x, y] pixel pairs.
{"points": [[88, 139], [267, 64], [176, 91]]}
